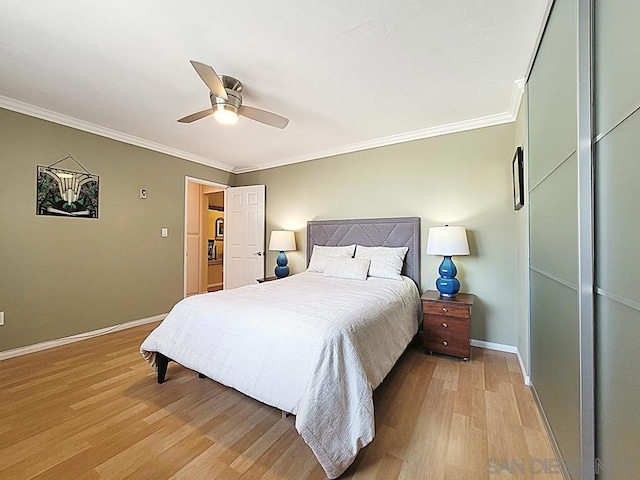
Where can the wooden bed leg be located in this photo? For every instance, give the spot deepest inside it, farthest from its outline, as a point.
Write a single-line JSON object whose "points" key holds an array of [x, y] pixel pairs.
{"points": [[284, 414], [162, 362]]}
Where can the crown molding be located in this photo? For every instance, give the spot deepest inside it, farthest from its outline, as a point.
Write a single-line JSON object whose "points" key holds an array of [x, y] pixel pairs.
{"points": [[489, 121], [516, 98], [44, 114], [456, 127]]}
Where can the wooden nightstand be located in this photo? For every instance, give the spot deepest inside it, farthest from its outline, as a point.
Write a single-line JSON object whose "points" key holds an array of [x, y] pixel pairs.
{"points": [[266, 279], [446, 323]]}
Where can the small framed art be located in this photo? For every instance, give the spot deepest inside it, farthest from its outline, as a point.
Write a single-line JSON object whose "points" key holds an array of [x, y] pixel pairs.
{"points": [[517, 169], [219, 229]]}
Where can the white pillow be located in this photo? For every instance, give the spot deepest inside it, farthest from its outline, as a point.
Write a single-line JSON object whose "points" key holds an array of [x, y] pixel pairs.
{"points": [[320, 254], [386, 262], [349, 268]]}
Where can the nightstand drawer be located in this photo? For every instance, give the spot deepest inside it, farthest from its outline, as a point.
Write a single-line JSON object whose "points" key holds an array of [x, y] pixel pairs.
{"points": [[457, 347], [448, 335], [446, 309], [449, 325]]}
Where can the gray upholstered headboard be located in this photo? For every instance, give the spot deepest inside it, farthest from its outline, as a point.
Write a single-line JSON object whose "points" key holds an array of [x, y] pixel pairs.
{"points": [[371, 232]]}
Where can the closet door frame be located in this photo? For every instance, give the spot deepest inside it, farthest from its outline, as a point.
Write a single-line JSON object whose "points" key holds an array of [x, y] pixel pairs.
{"points": [[586, 252]]}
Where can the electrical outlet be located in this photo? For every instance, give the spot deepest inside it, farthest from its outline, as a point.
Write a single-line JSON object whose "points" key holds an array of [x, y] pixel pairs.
{"points": [[1, 318], [164, 232], [143, 193]]}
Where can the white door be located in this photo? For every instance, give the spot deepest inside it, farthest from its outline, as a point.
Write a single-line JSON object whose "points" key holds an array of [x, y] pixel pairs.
{"points": [[243, 235]]}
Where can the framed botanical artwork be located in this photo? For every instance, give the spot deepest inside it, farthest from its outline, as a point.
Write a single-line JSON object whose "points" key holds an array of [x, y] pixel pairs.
{"points": [[517, 170], [220, 229]]}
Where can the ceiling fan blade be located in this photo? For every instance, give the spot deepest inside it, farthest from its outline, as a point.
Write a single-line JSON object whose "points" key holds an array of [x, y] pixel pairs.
{"points": [[196, 116], [211, 79], [263, 116]]}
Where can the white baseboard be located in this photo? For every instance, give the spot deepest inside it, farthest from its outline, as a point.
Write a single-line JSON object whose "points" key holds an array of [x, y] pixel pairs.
{"points": [[16, 352], [527, 378], [504, 348], [494, 346]]}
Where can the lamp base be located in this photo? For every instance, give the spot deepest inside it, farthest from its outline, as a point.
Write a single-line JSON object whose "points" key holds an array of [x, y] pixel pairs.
{"points": [[448, 285], [281, 270]]}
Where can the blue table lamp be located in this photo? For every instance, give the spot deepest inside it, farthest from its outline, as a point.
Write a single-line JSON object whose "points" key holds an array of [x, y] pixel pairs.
{"points": [[447, 241], [282, 241]]}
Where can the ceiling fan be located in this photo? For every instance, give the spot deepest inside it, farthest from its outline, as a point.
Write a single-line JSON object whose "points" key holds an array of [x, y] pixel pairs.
{"points": [[226, 101]]}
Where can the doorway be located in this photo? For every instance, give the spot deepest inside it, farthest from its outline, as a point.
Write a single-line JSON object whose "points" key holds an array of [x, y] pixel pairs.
{"points": [[204, 236], [224, 236], [214, 230]]}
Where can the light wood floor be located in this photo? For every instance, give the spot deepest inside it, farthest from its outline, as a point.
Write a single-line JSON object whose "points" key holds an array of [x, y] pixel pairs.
{"points": [[92, 410]]}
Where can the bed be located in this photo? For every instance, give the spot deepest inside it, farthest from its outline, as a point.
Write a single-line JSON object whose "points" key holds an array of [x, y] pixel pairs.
{"points": [[315, 344]]}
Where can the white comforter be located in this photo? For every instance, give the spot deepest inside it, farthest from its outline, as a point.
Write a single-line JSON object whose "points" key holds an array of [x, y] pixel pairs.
{"points": [[308, 344]]}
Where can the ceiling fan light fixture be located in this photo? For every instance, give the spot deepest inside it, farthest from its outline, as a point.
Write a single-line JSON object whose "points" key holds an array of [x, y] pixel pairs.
{"points": [[225, 114], [226, 101]]}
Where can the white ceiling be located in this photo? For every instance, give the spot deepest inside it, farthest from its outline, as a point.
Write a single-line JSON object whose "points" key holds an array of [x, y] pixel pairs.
{"points": [[349, 74]]}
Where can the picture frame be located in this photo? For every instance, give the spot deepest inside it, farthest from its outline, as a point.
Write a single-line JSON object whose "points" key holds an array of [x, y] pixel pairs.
{"points": [[220, 229], [66, 193], [517, 170]]}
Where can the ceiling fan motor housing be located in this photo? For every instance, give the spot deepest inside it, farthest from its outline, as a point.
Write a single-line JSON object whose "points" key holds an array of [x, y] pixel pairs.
{"points": [[233, 87]]}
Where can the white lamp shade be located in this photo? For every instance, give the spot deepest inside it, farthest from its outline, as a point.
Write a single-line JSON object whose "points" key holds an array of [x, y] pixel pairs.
{"points": [[447, 241], [282, 241]]}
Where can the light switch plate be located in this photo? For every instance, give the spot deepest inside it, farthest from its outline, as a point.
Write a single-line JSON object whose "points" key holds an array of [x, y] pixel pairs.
{"points": [[1, 318], [143, 193]]}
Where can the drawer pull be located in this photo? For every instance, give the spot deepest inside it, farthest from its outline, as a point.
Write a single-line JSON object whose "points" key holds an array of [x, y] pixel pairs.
{"points": [[445, 324], [445, 309], [445, 343]]}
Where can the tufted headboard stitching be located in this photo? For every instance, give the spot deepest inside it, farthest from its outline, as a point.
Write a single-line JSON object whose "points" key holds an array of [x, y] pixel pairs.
{"points": [[371, 232]]}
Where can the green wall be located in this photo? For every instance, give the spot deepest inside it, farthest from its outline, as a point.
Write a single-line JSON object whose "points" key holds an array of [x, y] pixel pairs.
{"points": [[462, 179], [64, 276]]}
